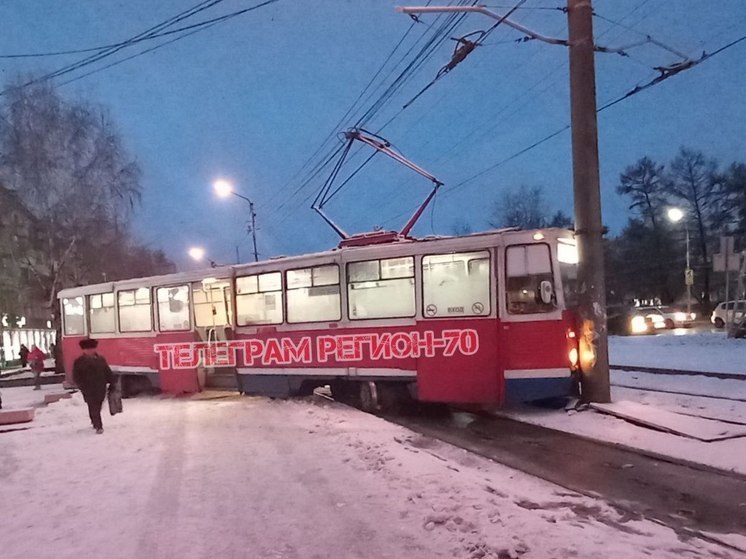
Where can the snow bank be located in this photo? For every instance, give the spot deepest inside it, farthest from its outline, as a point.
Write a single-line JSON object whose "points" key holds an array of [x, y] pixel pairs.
{"points": [[706, 351]]}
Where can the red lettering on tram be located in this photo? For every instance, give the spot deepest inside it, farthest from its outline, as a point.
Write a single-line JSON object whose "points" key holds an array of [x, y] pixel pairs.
{"points": [[340, 348]]}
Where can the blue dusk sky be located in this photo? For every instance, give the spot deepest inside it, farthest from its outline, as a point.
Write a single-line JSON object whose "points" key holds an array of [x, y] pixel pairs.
{"points": [[250, 99]]}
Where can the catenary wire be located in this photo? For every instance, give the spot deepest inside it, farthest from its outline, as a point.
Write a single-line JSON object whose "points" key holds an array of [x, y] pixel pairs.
{"points": [[108, 52]]}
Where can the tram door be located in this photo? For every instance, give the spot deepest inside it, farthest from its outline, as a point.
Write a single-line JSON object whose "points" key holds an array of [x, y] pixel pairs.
{"points": [[212, 319]]}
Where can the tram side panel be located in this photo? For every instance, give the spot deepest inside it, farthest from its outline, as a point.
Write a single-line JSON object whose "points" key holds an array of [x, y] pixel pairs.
{"points": [[537, 358], [134, 356], [463, 367]]}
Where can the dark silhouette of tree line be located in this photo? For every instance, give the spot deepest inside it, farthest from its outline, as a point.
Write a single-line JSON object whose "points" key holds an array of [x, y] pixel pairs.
{"points": [[647, 259]]}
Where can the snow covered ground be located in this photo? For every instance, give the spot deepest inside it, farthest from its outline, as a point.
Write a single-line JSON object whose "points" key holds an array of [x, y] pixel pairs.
{"points": [[702, 351], [687, 395], [249, 477]]}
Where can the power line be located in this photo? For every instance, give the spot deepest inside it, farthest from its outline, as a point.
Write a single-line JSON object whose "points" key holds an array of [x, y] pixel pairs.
{"points": [[665, 73], [195, 29], [204, 5], [351, 108], [424, 54], [128, 42]]}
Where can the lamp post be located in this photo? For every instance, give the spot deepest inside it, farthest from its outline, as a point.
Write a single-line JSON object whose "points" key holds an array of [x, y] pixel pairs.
{"points": [[223, 189], [675, 215]]}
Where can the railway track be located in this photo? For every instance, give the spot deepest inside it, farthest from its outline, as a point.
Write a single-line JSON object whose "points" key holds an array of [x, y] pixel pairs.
{"points": [[694, 500], [677, 372], [677, 392], [689, 500]]}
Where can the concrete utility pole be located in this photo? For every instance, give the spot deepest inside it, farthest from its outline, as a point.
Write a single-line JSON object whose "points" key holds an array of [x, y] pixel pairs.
{"points": [[593, 342], [594, 351]]}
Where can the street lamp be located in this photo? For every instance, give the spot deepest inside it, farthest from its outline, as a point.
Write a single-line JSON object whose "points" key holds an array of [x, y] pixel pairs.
{"points": [[675, 215], [223, 189], [198, 253]]}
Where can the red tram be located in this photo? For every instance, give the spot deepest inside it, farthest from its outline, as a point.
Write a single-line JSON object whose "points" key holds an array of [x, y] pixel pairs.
{"points": [[478, 319]]}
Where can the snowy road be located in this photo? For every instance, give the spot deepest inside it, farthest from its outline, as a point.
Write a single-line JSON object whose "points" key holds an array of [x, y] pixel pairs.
{"points": [[245, 477]]}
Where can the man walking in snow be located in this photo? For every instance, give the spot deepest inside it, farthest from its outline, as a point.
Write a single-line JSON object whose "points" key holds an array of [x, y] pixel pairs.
{"points": [[91, 373]]}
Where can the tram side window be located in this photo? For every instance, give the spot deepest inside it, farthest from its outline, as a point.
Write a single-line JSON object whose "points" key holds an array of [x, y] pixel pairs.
{"points": [[313, 294], [173, 308], [456, 284], [134, 310], [526, 267], [101, 309], [259, 299], [381, 288], [73, 315]]}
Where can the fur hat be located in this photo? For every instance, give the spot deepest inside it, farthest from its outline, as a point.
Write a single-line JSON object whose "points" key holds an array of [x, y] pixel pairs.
{"points": [[88, 343]]}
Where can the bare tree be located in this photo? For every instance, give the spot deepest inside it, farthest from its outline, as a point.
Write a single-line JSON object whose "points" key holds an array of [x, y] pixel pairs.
{"points": [[66, 162], [646, 184], [732, 210], [523, 207], [694, 183]]}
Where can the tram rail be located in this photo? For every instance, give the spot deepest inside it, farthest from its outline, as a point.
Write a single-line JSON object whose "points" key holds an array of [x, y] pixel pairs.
{"points": [[679, 372], [694, 500]]}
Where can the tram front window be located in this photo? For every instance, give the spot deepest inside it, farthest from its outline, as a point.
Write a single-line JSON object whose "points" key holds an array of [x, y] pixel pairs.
{"points": [[567, 255], [527, 266]]}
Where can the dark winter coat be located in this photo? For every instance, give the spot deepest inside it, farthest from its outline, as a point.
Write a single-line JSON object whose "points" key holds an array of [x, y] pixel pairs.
{"points": [[92, 373]]}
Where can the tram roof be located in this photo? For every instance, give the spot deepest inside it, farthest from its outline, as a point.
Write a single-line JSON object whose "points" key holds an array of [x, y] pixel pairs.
{"points": [[396, 248]]}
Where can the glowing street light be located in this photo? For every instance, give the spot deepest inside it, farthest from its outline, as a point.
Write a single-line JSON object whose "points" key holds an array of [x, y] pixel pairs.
{"points": [[675, 215], [223, 189], [198, 253]]}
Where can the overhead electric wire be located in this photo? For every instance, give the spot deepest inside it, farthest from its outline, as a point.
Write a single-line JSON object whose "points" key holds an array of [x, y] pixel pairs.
{"points": [[425, 52], [351, 108], [467, 48], [194, 29], [129, 42], [648, 38], [637, 89], [110, 51]]}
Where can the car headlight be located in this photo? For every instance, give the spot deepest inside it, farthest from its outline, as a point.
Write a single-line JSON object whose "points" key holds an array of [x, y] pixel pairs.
{"points": [[658, 320], [693, 315], [638, 324], [679, 316]]}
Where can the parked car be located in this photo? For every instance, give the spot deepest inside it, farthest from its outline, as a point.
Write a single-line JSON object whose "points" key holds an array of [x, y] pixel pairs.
{"points": [[668, 317], [737, 309], [625, 321]]}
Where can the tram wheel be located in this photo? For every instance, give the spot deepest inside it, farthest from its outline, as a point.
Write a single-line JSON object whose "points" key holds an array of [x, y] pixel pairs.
{"points": [[369, 401]]}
